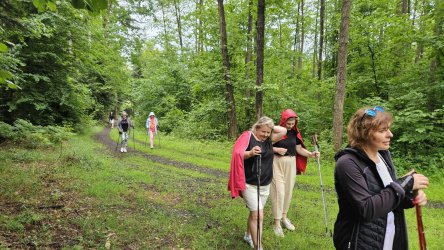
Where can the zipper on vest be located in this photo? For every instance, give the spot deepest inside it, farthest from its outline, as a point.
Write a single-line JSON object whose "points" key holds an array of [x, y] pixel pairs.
{"points": [[357, 234], [351, 237], [355, 227]]}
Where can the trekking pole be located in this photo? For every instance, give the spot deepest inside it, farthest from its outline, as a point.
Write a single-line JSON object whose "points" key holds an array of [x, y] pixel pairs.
{"points": [[316, 145], [258, 172], [421, 235], [146, 137]]}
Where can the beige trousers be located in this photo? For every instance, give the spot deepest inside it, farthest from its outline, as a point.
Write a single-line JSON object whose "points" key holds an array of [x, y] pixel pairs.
{"points": [[281, 188]]}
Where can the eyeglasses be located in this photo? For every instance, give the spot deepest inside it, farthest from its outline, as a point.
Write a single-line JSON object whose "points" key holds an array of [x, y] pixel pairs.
{"points": [[372, 112]]}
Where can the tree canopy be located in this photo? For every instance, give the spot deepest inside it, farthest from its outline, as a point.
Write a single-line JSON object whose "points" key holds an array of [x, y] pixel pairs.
{"points": [[71, 62]]}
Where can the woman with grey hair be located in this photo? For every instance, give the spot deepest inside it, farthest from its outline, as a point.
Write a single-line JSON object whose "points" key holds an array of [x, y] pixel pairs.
{"points": [[252, 166]]}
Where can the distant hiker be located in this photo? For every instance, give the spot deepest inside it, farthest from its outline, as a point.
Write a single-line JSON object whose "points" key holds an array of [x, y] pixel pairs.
{"points": [[289, 153], [124, 125], [152, 126], [253, 154], [111, 119], [371, 198]]}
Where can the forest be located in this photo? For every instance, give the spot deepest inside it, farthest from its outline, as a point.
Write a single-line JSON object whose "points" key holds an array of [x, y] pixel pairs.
{"points": [[68, 64], [209, 69]]}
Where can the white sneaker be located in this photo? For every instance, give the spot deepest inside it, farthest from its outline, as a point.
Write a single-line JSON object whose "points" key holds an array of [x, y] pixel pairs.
{"points": [[124, 150], [278, 231], [248, 239], [287, 224], [121, 150]]}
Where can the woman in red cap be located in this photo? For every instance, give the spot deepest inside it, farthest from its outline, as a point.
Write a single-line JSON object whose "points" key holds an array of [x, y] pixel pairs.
{"points": [[290, 158]]}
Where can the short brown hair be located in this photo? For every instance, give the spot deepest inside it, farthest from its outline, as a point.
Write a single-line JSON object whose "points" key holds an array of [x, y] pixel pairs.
{"points": [[362, 126]]}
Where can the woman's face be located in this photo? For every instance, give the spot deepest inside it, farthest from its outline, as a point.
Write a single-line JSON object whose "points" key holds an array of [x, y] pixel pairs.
{"points": [[263, 132], [289, 124], [380, 139]]}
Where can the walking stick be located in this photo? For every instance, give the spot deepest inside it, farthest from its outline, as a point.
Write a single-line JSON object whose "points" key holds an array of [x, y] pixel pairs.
{"points": [[258, 175], [316, 145], [421, 235]]}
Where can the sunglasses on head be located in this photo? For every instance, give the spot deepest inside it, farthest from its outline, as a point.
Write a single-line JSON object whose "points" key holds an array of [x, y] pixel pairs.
{"points": [[372, 112]]}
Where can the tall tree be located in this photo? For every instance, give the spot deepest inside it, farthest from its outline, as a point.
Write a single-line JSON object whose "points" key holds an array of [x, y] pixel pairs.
{"points": [[302, 35], [260, 40], [315, 46], [179, 22], [338, 121], [199, 27], [321, 37], [248, 55], [229, 95]]}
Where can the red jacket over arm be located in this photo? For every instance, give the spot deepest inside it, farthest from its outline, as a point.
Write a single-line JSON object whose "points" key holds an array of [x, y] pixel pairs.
{"points": [[236, 182]]}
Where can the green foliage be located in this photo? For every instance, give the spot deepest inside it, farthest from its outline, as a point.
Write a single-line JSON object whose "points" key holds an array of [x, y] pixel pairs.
{"points": [[30, 136], [66, 77], [91, 5], [94, 6]]}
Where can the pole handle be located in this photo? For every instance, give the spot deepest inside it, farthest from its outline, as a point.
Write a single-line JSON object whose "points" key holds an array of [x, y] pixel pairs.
{"points": [[314, 141]]}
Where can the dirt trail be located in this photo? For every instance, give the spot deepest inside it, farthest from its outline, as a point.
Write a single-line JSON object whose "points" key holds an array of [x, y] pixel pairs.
{"points": [[103, 137]]}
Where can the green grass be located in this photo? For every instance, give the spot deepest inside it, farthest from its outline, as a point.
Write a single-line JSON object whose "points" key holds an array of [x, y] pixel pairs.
{"points": [[134, 202]]}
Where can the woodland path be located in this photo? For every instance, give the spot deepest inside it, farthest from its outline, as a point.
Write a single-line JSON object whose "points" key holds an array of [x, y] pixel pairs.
{"points": [[104, 138]]}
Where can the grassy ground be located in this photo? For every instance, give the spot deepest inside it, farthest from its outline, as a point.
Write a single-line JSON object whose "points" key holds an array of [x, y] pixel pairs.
{"points": [[89, 196]]}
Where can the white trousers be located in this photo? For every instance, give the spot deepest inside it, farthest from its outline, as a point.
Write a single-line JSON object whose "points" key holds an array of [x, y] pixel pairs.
{"points": [[281, 190]]}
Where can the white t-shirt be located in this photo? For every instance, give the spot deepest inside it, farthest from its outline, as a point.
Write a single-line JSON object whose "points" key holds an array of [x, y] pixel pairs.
{"points": [[390, 228]]}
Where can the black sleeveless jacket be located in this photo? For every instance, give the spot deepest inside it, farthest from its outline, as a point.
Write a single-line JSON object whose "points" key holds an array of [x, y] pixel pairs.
{"points": [[364, 202]]}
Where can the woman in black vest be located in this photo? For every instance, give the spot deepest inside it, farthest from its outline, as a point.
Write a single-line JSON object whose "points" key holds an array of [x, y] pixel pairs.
{"points": [[124, 124], [371, 198]]}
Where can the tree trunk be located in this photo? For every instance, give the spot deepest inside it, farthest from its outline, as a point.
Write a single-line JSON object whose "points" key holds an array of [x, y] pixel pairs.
{"points": [[165, 33], [199, 32], [179, 23], [405, 6], [341, 76], [229, 95], [321, 37], [296, 42], [302, 37], [315, 46], [437, 61], [248, 108], [260, 30]]}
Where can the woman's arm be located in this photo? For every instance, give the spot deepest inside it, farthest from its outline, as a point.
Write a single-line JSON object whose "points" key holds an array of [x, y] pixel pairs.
{"points": [[353, 186], [304, 152], [277, 133]]}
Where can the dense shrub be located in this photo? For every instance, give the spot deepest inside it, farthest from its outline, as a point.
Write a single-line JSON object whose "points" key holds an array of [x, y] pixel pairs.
{"points": [[28, 135]]}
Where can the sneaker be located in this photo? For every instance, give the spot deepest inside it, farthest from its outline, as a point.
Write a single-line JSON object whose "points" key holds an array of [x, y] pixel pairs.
{"points": [[278, 231], [287, 224], [125, 150], [121, 150], [247, 238]]}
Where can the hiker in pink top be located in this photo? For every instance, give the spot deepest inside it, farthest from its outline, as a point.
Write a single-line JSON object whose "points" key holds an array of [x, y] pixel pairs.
{"points": [[152, 126]]}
